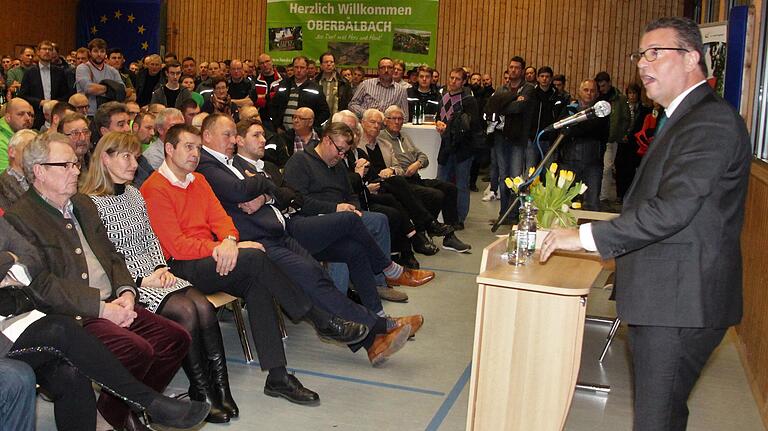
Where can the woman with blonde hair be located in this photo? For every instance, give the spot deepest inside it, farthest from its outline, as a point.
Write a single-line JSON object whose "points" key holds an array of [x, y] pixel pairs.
{"points": [[123, 211]]}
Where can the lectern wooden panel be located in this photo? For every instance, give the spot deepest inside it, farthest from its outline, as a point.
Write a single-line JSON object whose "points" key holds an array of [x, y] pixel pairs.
{"points": [[527, 347]]}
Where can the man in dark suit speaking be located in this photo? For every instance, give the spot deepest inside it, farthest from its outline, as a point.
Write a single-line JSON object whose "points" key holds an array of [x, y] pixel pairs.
{"points": [[676, 242]]}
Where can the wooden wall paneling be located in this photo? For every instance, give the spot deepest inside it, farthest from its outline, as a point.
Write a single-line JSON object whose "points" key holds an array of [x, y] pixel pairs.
{"points": [[29, 22], [578, 38], [754, 325]]}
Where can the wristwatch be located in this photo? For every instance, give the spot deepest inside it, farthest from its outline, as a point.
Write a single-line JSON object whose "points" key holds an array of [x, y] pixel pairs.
{"points": [[232, 237]]}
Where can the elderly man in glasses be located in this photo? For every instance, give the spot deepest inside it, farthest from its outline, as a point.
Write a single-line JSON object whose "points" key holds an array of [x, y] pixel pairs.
{"points": [[75, 127], [82, 268]]}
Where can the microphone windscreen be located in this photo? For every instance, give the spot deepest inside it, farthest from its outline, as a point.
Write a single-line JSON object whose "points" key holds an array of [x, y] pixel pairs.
{"points": [[602, 108]]}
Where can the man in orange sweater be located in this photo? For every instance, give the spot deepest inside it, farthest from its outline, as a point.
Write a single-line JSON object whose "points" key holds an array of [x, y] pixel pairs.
{"points": [[202, 245]]}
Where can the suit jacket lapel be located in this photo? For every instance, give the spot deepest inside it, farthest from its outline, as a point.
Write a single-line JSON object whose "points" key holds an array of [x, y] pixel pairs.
{"points": [[660, 140]]}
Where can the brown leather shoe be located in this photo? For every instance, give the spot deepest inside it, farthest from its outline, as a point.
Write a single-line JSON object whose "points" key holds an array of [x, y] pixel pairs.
{"points": [[386, 345], [412, 278], [390, 294], [415, 321]]}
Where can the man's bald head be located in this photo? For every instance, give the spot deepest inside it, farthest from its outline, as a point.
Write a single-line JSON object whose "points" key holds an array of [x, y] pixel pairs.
{"points": [[19, 114], [303, 119]]}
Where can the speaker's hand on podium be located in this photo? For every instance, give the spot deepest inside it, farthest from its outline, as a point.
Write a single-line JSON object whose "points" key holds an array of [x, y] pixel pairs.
{"points": [[560, 239]]}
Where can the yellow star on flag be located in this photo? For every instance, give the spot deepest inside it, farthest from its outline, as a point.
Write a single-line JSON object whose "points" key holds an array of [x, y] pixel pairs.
{"points": [[94, 30], [142, 29], [144, 46], [103, 19], [118, 14], [131, 18]]}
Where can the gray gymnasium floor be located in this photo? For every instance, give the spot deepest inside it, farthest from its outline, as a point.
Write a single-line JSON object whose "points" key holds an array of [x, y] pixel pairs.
{"points": [[424, 386]]}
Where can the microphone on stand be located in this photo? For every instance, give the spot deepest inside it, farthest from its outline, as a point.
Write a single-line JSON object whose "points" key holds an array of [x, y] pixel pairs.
{"points": [[599, 109]]}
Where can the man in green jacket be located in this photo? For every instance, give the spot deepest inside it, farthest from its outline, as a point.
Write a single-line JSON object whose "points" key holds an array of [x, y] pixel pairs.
{"points": [[619, 123], [18, 115]]}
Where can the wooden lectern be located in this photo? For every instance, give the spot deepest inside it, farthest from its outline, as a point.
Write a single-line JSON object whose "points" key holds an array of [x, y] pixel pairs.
{"points": [[528, 333]]}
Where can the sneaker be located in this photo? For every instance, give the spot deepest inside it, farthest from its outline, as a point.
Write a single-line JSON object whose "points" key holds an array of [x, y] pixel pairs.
{"points": [[489, 195], [452, 242]]}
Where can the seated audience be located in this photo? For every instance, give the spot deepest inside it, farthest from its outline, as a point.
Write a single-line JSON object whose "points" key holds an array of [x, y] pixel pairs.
{"points": [[189, 108], [406, 161], [298, 138], [13, 184], [58, 112], [155, 152], [87, 274], [120, 206], [64, 356], [75, 127], [244, 191], [195, 231], [80, 102], [220, 100], [172, 94], [18, 115]]}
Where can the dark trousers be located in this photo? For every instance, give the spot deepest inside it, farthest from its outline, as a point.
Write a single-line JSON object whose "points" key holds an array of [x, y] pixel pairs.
{"points": [[257, 280], [66, 358], [667, 362], [151, 348], [437, 196], [397, 219], [342, 237], [415, 210], [303, 270]]}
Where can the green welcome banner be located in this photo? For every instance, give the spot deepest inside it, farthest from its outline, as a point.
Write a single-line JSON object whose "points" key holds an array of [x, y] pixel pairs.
{"points": [[357, 32]]}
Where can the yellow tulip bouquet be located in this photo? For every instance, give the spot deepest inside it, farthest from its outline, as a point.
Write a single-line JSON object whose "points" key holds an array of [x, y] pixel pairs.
{"points": [[554, 199]]}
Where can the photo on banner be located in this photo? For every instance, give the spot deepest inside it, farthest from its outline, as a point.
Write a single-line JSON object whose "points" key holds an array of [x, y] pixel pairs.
{"points": [[358, 33]]}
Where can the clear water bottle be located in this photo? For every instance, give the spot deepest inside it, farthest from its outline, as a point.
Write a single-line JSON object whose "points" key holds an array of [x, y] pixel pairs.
{"points": [[531, 211], [518, 241]]}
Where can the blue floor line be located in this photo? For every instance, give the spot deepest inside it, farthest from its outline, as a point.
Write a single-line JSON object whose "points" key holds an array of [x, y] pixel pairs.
{"points": [[352, 380], [450, 400]]}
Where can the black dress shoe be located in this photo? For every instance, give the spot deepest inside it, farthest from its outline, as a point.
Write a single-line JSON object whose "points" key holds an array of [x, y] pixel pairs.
{"points": [[422, 244], [438, 229], [343, 331], [458, 226], [177, 413], [292, 390]]}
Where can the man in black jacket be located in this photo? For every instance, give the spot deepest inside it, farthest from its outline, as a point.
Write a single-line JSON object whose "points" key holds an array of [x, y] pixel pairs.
{"points": [[460, 126], [43, 82], [583, 152], [548, 106], [296, 92], [338, 91], [510, 112]]}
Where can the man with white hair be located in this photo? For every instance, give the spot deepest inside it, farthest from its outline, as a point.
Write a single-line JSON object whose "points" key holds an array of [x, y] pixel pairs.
{"points": [[405, 161], [167, 118], [12, 182]]}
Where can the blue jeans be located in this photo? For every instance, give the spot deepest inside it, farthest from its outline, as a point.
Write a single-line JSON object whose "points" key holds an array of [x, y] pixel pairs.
{"points": [[459, 173], [378, 226], [513, 159], [17, 396]]}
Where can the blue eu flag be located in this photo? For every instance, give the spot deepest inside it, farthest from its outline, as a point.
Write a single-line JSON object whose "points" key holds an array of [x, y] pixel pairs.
{"points": [[131, 25]]}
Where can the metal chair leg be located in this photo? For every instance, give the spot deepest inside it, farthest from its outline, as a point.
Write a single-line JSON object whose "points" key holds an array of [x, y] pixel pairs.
{"points": [[237, 311], [609, 339]]}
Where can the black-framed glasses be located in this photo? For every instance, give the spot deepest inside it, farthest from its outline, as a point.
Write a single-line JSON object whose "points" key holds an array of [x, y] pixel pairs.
{"points": [[65, 165], [651, 54], [339, 150]]}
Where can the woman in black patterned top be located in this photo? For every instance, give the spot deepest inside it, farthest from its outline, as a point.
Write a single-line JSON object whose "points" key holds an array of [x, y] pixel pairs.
{"points": [[124, 213]]}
